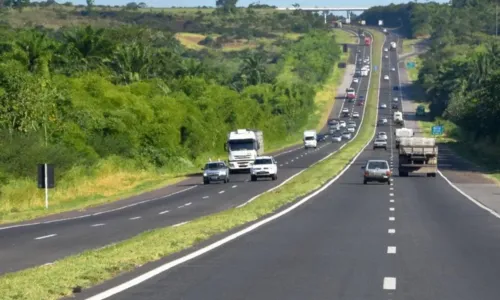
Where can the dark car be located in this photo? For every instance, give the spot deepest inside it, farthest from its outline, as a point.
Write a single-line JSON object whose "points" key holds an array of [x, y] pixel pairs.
{"points": [[321, 137], [395, 88], [215, 171], [394, 106]]}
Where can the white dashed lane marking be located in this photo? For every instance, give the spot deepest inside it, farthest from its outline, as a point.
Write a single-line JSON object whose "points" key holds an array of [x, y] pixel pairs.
{"points": [[45, 236], [392, 219], [391, 231], [389, 283], [204, 197], [391, 250], [391, 194], [234, 186], [221, 192], [163, 212], [134, 218], [97, 225], [391, 208]]}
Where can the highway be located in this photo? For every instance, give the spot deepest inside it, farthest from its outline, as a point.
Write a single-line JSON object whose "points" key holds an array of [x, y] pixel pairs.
{"points": [[40, 242], [417, 238]]}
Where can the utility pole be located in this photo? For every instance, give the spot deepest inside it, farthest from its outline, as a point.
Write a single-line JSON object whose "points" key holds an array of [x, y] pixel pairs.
{"points": [[496, 18]]}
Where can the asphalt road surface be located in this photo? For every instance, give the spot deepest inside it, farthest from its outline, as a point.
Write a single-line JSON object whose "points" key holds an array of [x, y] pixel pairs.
{"points": [[415, 239], [27, 246]]}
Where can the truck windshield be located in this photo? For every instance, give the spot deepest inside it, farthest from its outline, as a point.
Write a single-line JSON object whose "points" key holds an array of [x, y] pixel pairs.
{"points": [[263, 161], [309, 138], [247, 144]]}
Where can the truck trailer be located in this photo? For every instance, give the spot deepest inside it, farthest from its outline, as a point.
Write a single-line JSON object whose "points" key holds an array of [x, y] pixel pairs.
{"points": [[402, 133], [418, 155]]}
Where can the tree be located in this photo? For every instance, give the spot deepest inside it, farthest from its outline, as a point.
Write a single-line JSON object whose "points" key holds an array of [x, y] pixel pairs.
{"points": [[226, 6]]}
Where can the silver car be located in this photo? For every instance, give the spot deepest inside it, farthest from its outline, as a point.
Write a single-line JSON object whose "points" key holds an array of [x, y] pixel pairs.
{"points": [[377, 170], [380, 143], [215, 171], [336, 138]]}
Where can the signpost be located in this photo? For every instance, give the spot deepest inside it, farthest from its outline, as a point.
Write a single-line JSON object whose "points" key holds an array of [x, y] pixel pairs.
{"points": [[375, 68], [410, 65], [437, 130], [46, 180], [380, 23]]}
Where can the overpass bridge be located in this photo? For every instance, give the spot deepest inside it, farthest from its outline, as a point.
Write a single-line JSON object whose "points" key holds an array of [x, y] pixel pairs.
{"points": [[327, 10]]}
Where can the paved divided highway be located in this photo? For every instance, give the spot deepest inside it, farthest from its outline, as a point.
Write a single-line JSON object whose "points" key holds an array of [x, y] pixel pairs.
{"points": [[417, 238], [26, 246]]}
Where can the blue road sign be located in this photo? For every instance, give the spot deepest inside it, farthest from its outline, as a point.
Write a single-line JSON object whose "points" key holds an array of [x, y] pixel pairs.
{"points": [[437, 130], [375, 68], [410, 65]]}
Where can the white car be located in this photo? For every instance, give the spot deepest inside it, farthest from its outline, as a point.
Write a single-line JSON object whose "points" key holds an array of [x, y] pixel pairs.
{"points": [[346, 135], [355, 80], [351, 128], [355, 114], [383, 105], [345, 110], [383, 121], [387, 56], [382, 136], [366, 61], [337, 138], [386, 50], [366, 67], [343, 124], [264, 166], [395, 99], [385, 30], [393, 69], [386, 77]]}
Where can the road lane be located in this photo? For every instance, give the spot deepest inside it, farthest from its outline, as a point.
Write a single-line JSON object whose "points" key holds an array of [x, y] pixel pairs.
{"points": [[334, 247], [19, 248]]}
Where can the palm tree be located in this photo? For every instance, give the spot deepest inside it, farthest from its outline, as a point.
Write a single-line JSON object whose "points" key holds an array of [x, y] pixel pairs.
{"points": [[254, 68], [132, 62], [89, 46]]}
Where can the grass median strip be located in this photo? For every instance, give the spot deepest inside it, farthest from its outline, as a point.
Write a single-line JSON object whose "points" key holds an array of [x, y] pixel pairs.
{"points": [[95, 266]]}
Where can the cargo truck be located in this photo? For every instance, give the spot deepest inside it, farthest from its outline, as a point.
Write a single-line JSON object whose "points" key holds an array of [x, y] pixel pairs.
{"points": [[418, 155], [310, 139], [393, 45], [368, 41], [402, 133], [398, 118], [350, 93], [243, 146]]}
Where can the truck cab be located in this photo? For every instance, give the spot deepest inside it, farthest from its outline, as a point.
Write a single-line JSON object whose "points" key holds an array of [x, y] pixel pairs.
{"points": [[310, 139], [350, 93], [420, 110], [398, 118], [243, 146]]}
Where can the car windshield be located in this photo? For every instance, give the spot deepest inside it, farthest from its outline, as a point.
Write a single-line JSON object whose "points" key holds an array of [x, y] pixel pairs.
{"points": [[214, 166], [379, 141], [309, 138], [381, 133], [377, 165], [247, 144], [263, 161]]}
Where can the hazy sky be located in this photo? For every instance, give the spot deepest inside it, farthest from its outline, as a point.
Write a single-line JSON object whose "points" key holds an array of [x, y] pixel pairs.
{"points": [[169, 3]]}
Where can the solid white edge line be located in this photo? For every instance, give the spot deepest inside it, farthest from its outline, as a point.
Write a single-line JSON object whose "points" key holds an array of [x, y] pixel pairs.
{"points": [[180, 224], [137, 280], [187, 204], [478, 203], [45, 236], [98, 213], [135, 218], [389, 283]]}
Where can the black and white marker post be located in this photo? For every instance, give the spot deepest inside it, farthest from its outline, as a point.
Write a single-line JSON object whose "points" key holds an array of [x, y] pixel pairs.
{"points": [[46, 180]]}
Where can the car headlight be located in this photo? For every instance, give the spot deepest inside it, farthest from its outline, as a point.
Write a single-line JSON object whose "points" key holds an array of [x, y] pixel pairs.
{"points": [[222, 173], [205, 174]]}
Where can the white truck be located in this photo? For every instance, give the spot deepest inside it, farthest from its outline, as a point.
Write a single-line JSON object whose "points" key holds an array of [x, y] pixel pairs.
{"points": [[310, 139], [243, 146], [364, 72], [393, 45], [418, 155], [403, 133], [398, 118]]}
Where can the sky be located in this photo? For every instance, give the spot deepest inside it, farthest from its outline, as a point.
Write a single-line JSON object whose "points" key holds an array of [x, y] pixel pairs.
{"points": [[279, 3]]}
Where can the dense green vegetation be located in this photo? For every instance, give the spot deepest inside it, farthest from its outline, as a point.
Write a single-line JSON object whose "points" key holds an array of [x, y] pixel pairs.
{"points": [[107, 99], [461, 71]]}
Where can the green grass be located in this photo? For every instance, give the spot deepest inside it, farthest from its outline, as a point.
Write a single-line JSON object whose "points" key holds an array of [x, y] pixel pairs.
{"points": [[408, 45], [95, 266], [413, 73]]}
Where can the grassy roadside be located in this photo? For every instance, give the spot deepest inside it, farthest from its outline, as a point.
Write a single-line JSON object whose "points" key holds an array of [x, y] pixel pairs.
{"points": [[116, 179], [95, 266]]}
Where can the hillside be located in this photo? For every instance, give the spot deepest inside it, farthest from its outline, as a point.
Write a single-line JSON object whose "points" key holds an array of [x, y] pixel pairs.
{"points": [[119, 108]]}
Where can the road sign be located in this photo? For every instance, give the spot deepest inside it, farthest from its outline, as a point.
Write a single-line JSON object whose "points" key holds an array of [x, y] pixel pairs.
{"points": [[375, 68], [380, 23], [410, 65], [437, 130]]}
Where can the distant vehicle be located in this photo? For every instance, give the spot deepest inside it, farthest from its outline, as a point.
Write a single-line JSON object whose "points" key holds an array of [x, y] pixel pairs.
{"points": [[393, 69], [333, 121], [355, 80], [368, 41], [350, 93], [343, 124], [386, 56], [395, 88], [346, 135], [364, 72], [355, 114], [377, 170], [351, 122], [361, 102], [383, 105], [393, 45], [395, 99], [351, 128], [321, 137], [358, 51], [310, 139], [264, 166], [345, 110], [398, 118], [386, 50], [382, 135], [382, 121], [337, 137], [394, 106], [420, 110], [380, 143], [243, 146], [386, 77], [418, 155], [385, 30], [215, 171]]}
